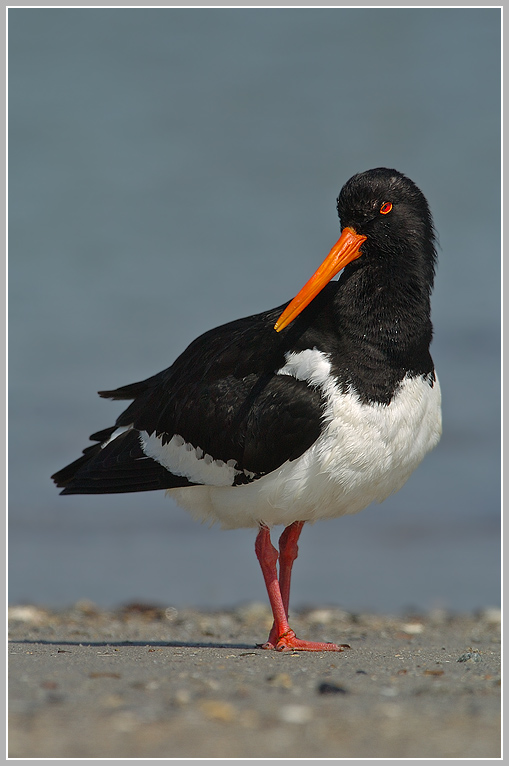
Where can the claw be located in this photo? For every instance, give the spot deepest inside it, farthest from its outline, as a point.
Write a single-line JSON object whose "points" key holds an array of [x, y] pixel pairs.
{"points": [[289, 642]]}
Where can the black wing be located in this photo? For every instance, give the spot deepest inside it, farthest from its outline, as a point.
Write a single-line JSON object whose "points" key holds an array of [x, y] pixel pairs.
{"points": [[222, 395]]}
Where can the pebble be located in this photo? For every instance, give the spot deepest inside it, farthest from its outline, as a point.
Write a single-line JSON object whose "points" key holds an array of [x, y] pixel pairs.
{"points": [[217, 710], [330, 688], [295, 713], [281, 681]]}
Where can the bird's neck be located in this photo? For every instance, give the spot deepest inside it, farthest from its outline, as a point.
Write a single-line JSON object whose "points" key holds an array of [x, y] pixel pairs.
{"points": [[386, 307], [384, 330]]}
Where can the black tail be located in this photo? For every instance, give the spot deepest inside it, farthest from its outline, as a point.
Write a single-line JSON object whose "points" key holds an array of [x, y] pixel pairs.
{"points": [[120, 466]]}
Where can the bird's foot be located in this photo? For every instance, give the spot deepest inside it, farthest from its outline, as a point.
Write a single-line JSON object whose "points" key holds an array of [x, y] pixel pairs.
{"points": [[289, 642]]}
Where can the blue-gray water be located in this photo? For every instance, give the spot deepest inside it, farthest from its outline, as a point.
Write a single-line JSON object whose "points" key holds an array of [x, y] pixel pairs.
{"points": [[172, 169]]}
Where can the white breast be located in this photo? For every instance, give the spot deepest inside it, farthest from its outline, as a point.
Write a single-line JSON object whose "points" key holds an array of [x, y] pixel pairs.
{"points": [[364, 453]]}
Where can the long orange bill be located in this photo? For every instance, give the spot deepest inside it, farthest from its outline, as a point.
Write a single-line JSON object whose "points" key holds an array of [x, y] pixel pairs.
{"points": [[346, 250]]}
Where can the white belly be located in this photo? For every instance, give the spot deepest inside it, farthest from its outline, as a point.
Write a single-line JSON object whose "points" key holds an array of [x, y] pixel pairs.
{"points": [[364, 454]]}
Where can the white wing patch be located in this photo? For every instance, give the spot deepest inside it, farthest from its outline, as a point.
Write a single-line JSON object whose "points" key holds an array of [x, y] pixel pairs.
{"points": [[116, 433], [310, 365], [183, 459]]}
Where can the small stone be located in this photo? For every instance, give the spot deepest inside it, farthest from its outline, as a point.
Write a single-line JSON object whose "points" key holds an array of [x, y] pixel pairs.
{"points": [[330, 688], [86, 607], [49, 685], [281, 681], [472, 654], [295, 714], [170, 613], [112, 700], [492, 614], [182, 697], [28, 614], [218, 710], [320, 616], [413, 628]]}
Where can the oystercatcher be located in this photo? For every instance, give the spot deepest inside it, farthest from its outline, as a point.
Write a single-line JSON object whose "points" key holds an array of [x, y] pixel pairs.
{"points": [[307, 411]]}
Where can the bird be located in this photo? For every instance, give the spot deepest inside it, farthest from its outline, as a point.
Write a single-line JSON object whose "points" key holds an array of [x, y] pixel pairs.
{"points": [[308, 411]]}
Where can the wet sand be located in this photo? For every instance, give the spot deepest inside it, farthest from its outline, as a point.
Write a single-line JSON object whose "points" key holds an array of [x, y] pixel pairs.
{"points": [[149, 682]]}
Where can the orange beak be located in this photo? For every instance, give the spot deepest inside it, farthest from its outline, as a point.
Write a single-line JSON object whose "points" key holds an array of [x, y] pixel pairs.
{"points": [[346, 250]]}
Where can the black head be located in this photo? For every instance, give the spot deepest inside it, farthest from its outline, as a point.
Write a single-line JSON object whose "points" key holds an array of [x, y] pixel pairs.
{"points": [[387, 239], [392, 212]]}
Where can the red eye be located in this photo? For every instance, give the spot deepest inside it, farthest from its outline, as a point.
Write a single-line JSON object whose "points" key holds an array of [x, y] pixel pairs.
{"points": [[386, 208]]}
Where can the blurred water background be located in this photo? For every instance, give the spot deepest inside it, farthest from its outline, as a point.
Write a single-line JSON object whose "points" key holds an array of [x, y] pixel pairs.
{"points": [[173, 169]]}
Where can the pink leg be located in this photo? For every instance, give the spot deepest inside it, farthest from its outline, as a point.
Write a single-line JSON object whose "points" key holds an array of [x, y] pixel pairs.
{"points": [[267, 556], [288, 552], [282, 636]]}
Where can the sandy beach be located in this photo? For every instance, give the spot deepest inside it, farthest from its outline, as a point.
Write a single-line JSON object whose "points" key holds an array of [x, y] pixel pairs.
{"points": [[145, 681]]}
